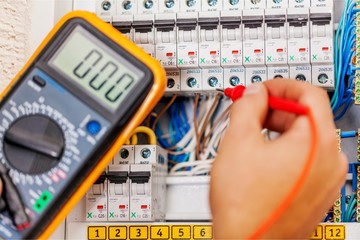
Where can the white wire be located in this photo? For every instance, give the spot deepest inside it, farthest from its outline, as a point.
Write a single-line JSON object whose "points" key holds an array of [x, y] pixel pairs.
{"points": [[190, 164]]}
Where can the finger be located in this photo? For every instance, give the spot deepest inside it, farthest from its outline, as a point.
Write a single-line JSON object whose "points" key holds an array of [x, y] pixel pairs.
{"points": [[248, 113], [313, 97], [279, 121]]}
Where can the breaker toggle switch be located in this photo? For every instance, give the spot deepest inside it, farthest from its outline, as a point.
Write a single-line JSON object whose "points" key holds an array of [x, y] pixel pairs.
{"points": [[298, 37], [209, 45], [188, 40], [96, 200], [165, 50], [117, 183], [123, 26], [144, 35], [231, 44], [253, 43], [275, 40], [321, 41]]}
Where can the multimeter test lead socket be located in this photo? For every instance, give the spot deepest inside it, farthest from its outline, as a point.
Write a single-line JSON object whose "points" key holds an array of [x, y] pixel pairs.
{"points": [[275, 103]]}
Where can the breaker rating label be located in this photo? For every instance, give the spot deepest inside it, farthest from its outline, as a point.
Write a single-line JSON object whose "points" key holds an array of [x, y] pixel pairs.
{"points": [[153, 232], [187, 232]]}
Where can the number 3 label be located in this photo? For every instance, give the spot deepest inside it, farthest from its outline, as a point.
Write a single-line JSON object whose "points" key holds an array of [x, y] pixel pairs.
{"points": [[138, 232]]}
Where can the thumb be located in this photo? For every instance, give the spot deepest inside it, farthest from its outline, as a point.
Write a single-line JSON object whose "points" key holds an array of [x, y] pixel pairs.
{"points": [[249, 112]]}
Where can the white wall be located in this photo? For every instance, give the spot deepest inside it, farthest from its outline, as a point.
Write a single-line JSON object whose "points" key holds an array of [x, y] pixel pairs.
{"points": [[14, 37]]}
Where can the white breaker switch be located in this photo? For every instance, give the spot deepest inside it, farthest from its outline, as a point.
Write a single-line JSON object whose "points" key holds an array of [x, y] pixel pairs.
{"points": [[234, 76], [173, 81], [301, 73], [298, 4], [118, 192], [169, 6], [276, 4], [190, 80], [298, 41], [212, 79], [147, 7], [209, 44], [193, 6], [187, 41], [124, 24], [142, 194], [105, 9], [253, 40], [96, 201], [165, 32], [321, 41], [255, 74], [323, 76], [233, 5], [281, 71], [322, 3], [275, 37], [150, 154], [231, 40], [143, 33], [255, 4], [211, 5], [126, 7]]}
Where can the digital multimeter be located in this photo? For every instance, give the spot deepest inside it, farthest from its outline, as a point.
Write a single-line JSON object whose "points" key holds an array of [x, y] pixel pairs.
{"points": [[64, 117]]}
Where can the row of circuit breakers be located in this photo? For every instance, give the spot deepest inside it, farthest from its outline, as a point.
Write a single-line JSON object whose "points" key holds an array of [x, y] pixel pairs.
{"points": [[209, 50], [132, 189]]}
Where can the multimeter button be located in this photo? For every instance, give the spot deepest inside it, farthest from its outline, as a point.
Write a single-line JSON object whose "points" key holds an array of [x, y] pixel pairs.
{"points": [[93, 127], [34, 144], [39, 81]]}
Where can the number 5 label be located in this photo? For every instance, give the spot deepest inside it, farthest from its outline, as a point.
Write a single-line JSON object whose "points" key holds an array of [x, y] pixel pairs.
{"points": [[181, 232]]}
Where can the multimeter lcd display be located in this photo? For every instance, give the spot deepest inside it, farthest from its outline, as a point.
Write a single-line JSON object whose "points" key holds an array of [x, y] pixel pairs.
{"points": [[95, 67]]}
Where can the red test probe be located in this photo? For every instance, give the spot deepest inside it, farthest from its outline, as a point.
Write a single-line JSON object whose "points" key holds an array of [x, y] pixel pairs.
{"points": [[275, 103]]}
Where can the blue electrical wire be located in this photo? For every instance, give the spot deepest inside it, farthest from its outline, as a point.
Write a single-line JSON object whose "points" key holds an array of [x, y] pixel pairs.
{"points": [[348, 134]]}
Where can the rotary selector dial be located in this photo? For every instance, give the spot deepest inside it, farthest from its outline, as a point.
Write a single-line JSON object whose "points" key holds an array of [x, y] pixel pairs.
{"points": [[34, 144]]}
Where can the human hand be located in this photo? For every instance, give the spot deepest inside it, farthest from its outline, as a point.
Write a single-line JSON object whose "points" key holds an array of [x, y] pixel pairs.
{"points": [[251, 177]]}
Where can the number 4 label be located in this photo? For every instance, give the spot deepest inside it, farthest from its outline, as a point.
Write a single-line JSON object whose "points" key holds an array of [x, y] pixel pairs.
{"points": [[159, 232]]}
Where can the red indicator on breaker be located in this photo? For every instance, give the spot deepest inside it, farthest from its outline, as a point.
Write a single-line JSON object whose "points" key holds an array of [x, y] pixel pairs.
{"points": [[325, 49], [213, 53], [100, 207], [257, 51], [279, 50], [169, 54], [302, 49], [235, 52], [122, 206], [191, 53], [144, 206]]}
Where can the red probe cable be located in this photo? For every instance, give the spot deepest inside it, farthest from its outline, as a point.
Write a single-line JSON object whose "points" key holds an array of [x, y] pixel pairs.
{"points": [[281, 104]]}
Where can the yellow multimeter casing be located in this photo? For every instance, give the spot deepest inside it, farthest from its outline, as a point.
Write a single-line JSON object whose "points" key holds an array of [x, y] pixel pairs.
{"points": [[131, 118]]}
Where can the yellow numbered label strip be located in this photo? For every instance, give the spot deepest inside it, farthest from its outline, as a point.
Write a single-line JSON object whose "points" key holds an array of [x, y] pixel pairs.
{"points": [[117, 232], [158, 231], [97, 232]]}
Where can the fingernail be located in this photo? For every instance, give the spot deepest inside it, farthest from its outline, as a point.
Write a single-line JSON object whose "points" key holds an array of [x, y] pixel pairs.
{"points": [[253, 89]]}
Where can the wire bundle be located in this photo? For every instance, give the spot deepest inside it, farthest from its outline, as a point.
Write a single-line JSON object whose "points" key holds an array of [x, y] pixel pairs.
{"points": [[190, 129], [344, 55]]}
